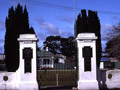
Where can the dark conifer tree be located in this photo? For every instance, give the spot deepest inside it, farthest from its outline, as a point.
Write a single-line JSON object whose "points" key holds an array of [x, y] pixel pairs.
{"points": [[90, 24], [94, 27], [77, 25], [17, 23], [84, 26], [81, 22]]}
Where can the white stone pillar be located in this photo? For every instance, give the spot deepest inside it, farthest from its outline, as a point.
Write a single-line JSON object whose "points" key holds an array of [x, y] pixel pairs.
{"points": [[86, 43], [27, 71]]}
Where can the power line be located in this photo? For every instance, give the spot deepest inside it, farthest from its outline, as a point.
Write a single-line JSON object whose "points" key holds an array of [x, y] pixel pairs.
{"points": [[68, 8], [44, 4], [109, 12]]}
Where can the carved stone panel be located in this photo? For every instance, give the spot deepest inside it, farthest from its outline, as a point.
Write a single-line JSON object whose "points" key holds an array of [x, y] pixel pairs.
{"points": [[27, 56], [87, 54]]}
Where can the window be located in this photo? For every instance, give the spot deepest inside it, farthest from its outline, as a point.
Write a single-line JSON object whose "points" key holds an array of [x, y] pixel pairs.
{"points": [[46, 61]]}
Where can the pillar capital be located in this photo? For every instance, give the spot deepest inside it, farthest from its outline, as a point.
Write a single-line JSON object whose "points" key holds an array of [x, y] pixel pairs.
{"points": [[86, 36]]}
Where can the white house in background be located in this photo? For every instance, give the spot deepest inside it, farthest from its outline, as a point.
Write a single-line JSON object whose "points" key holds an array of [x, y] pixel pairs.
{"points": [[105, 61], [2, 62], [2, 56], [61, 58], [45, 59]]}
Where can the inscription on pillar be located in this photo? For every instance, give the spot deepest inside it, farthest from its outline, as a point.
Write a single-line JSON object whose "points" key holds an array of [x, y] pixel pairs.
{"points": [[87, 54], [27, 56]]}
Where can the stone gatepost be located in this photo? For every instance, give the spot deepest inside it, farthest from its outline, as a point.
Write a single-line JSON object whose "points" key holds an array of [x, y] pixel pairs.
{"points": [[86, 43], [27, 71]]}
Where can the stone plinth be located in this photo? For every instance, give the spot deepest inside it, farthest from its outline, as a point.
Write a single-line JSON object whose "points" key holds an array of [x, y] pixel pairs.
{"points": [[86, 43]]}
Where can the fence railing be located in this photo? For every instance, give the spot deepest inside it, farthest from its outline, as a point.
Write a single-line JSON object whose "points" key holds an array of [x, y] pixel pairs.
{"points": [[66, 77]]}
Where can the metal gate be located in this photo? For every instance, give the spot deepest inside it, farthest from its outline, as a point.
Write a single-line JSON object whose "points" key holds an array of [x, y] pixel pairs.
{"points": [[58, 75]]}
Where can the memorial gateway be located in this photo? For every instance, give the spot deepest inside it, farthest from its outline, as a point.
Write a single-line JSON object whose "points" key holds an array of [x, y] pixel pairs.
{"points": [[89, 77]]}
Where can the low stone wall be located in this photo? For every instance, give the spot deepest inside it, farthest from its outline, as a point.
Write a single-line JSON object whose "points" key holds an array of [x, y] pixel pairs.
{"points": [[8, 81], [113, 79], [110, 78]]}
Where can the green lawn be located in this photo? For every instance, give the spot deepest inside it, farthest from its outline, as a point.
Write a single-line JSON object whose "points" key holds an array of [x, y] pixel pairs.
{"points": [[65, 77]]}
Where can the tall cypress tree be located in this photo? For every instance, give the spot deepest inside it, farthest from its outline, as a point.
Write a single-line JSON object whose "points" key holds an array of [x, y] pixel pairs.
{"points": [[94, 27], [84, 26], [77, 25], [90, 24], [17, 23], [81, 22]]}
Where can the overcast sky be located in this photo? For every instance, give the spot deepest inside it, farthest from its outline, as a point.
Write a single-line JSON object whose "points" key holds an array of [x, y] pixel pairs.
{"points": [[57, 17]]}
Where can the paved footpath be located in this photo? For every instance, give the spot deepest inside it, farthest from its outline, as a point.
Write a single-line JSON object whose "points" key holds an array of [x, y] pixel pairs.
{"points": [[58, 88]]}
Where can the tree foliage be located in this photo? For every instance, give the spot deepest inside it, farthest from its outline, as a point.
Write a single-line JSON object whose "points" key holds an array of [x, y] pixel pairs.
{"points": [[113, 45], [113, 32], [16, 23], [59, 45], [68, 46], [53, 44], [89, 24]]}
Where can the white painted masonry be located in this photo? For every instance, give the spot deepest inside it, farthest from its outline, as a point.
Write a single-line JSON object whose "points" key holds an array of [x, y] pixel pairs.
{"points": [[87, 79], [20, 80], [11, 83], [112, 79], [101, 65], [27, 81]]}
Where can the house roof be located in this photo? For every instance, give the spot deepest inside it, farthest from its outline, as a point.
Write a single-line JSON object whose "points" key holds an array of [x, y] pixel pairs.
{"points": [[44, 54], [60, 56], [105, 59]]}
